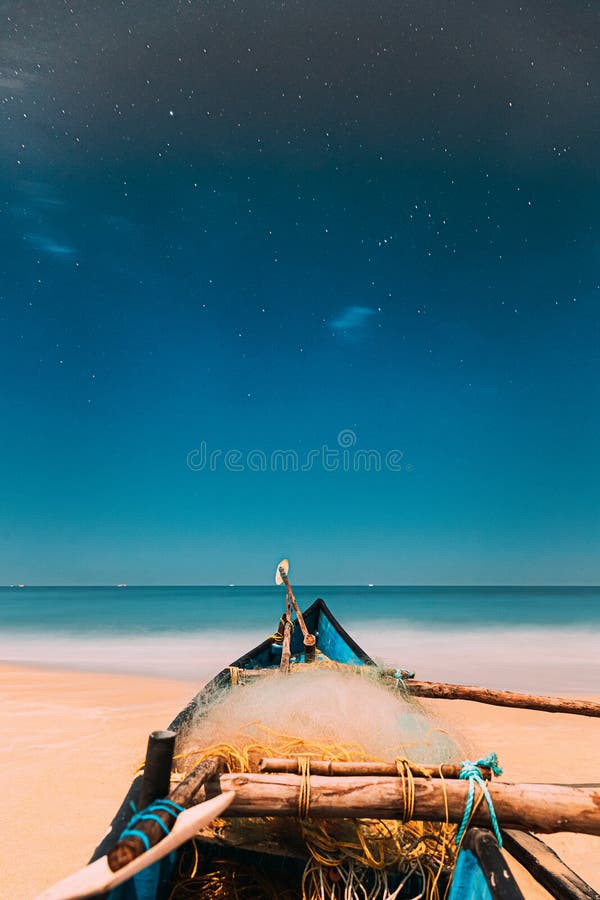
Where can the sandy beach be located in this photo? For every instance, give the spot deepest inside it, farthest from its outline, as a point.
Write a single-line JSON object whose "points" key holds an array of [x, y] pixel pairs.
{"points": [[73, 739]]}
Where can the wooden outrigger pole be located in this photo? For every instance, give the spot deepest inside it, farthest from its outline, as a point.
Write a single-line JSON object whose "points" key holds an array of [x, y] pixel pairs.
{"points": [[441, 691], [543, 808]]}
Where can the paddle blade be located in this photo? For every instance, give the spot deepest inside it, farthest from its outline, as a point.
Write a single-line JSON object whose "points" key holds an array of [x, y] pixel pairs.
{"points": [[285, 565], [98, 876], [84, 883]]}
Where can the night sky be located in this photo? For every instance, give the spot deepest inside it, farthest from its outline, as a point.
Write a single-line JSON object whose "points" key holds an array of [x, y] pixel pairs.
{"points": [[259, 225]]}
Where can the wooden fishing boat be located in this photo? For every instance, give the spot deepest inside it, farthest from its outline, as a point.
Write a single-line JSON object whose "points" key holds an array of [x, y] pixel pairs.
{"points": [[478, 872]]}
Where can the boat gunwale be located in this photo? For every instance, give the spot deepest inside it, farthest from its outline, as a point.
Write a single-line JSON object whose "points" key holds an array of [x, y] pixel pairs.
{"points": [[203, 698]]}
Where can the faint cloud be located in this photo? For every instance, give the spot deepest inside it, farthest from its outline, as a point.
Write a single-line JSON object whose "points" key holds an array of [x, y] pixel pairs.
{"points": [[120, 224], [36, 201], [15, 82], [40, 193], [20, 67], [49, 245], [352, 318]]}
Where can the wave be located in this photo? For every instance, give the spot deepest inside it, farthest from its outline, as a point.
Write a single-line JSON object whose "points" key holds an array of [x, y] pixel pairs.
{"points": [[542, 660]]}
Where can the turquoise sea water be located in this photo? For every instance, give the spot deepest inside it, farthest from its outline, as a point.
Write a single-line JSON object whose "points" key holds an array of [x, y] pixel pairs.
{"points": [[522, 638]]}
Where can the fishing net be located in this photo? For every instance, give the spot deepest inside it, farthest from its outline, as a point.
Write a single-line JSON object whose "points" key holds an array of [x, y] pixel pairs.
{"points": [[324, 713]]}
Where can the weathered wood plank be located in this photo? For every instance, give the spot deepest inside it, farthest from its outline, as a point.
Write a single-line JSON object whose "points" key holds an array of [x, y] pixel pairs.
{"points": [[547, 867]]}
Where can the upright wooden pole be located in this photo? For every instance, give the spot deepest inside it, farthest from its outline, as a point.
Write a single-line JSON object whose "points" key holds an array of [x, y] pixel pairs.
{"points": [[156, 779]]}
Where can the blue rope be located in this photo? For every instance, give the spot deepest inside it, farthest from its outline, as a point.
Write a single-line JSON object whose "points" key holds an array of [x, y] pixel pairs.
{"points": [[400, 674], [470, 771], [150, 814]]}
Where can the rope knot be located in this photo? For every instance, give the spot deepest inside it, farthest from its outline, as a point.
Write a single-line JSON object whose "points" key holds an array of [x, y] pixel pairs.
{"points": [[490, 762], [470, 772]]}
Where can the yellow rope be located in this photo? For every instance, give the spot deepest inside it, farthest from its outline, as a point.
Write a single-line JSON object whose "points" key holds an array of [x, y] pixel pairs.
{"points": [[442, 859], [194, 870], [234, 675], [304, 792], [408, 789], [351, 845]]}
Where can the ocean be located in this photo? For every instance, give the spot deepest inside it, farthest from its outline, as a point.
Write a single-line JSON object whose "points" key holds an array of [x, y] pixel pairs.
{"points": [[544, 639]]}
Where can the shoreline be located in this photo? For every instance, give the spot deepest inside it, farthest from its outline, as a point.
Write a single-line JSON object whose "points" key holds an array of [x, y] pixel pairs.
{"points": [[74, 739], [27, 665], [549, 662], [42, 666]]}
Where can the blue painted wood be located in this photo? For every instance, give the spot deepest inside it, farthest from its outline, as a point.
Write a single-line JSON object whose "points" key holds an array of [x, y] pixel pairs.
{"points": [[469, 881]]}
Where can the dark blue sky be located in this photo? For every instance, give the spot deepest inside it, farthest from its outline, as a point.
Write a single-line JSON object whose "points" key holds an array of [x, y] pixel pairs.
{"points": [[253, 227]]}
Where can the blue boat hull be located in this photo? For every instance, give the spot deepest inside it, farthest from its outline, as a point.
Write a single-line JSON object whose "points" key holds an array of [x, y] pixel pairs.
{"points": [[471, 881]]}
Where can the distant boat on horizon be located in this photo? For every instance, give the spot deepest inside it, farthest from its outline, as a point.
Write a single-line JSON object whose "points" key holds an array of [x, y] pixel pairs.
{"points": [[122, 585]]}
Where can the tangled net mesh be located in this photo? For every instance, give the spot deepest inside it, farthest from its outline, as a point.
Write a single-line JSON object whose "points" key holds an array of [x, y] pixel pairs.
{"points": [[328, 714]]}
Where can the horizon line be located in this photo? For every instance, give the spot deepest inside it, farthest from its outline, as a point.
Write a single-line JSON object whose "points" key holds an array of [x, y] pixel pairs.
{"points": [[123, 585]]}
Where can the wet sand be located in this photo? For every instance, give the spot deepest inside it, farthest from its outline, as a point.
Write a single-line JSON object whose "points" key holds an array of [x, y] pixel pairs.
{"points": [[73, 739]]}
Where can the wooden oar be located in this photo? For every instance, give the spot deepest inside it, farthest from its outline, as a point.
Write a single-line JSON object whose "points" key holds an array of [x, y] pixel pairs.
{"points": [[98, 877], [310, 642]]}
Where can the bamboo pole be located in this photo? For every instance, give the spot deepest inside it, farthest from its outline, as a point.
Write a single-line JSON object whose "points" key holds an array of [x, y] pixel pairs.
{"points": [[537, 807], [333, 767], [438, 690]]}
